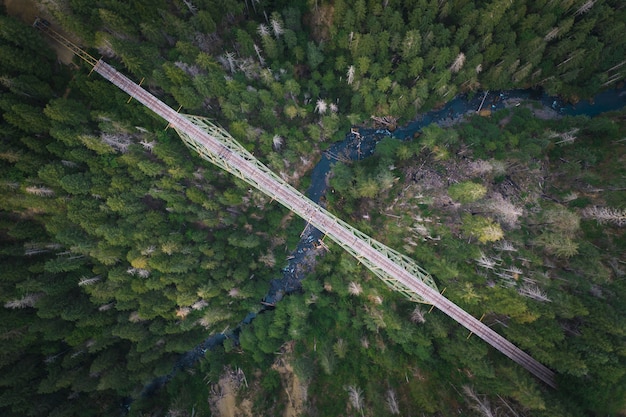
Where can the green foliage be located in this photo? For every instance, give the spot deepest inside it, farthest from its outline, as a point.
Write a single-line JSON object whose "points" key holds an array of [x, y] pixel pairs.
{"points": [[481, 228], [558, 244], [467, 192], [140, 235]]}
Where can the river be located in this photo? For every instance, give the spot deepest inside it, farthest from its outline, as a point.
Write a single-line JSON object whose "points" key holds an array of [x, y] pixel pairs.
{"points": [[358, 146]]}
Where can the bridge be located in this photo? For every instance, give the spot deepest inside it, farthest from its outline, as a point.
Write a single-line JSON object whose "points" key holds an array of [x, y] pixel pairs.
{"points": [[398, 271]]}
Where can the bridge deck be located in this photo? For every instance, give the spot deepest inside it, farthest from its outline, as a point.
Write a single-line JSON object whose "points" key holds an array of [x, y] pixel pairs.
{"points": [[319, 218]]}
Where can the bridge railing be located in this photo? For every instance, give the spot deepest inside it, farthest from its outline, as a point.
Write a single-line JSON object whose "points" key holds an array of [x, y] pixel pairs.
{"points": [[396, 270], [303, 210]]}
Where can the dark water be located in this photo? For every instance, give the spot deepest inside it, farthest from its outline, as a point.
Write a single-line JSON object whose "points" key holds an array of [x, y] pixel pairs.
{"points": [[362, 145]]}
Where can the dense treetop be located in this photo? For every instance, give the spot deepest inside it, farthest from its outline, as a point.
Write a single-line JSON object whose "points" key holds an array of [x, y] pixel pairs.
{"points": [[120, 250]]}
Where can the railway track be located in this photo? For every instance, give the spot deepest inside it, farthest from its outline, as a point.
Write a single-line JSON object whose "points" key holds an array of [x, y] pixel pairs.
{"points": [[383, 261]]}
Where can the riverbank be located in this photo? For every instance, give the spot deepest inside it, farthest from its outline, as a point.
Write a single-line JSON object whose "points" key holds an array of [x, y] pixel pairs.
{"points": [[357, 147], [27, 11]]}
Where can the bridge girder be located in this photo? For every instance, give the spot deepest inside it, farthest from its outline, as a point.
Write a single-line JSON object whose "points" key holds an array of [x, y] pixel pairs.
{"points": [[233, 146]]}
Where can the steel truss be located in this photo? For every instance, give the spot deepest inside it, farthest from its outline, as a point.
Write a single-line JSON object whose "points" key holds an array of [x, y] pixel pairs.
{"points": [[396, 270], [44, 26], [233, 146]]}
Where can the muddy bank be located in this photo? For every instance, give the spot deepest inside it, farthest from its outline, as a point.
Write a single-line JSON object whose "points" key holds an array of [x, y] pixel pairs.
{"points": [[27, 11]]}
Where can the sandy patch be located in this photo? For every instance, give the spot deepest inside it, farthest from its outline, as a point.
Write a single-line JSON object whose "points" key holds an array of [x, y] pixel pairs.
{"points": [[23, 9], [232, 397], [226, 402], [295, 390], [223, 399]]}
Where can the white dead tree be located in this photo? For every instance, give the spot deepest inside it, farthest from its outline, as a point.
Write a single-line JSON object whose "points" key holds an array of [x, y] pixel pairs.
{"points": [[533, 292], [392, 402], [119, 141], [192, 8], [321, 106], [417, 316], [355, 395], [485, 262], [148, 251], [40, 191], [106, 307], [257, 49], [32, 250], [481, 405], [277, 27], [553, 33], [27, 300], [350, 74], [229, 59], [354, 288], [140, 272], [565, 138], [143, 273], [13, 185], [199, 305], [604, 215], [69, 164], [147, 145], [89, 281], [514, 270], [277, 142], [135, 317], [505, 246], [248, 67], [263, 30], [458, 63], [480, 167], [504, 210], [585, 7]]}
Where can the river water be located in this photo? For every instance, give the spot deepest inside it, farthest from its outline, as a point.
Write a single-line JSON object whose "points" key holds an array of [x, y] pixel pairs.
{"points": [[361, 145]]}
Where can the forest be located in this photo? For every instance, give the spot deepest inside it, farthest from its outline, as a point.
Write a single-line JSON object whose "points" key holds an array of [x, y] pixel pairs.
{"points": [[121, 250]]}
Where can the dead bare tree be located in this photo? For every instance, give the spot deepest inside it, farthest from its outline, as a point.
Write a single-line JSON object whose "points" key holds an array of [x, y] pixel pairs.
{"points": [[586, 6], [505, 246], [118, 141], [89, 281], [321, 106], [481, 405], [533, 292], [350, 74], [458, 62], [355, 395], [27, 300], [277, 142], [566, 138], [392, 402], [417, 316], [40, 191], [504, 210], [192, 8], [277, 27], [485, 261], [553, 33], [354, 288], [604, 215]]}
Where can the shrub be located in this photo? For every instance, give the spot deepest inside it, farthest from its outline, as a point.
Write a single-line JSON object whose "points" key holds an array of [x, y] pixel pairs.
{"points": [[482, 228], [467, 192]]}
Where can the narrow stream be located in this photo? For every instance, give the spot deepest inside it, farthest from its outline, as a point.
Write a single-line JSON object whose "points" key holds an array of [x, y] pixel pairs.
{"points": [[362, 145]]}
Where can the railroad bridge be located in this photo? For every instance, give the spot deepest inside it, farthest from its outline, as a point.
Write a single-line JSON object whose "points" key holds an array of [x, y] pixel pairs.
{"points": [[398, 271]]}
